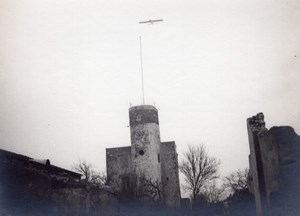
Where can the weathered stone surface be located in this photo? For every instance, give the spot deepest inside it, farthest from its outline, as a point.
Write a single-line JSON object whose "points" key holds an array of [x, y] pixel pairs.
{"points": [[285, 199], [143, 115], [269, 158], [118, 166], [255, 125], [150, 159], [274, 168], [145, 142], [170, 175]]}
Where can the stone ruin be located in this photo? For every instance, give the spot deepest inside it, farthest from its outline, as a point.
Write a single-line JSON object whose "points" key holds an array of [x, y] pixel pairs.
{"points": [[274, 168], [36, 187], [32, 187]]}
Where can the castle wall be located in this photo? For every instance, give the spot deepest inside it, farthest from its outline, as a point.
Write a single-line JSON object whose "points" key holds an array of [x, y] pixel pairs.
{"points": [[255, 125], [274, 168], [269, 157], [170, 175], [30, 188], [118, 166], [281, 161]]}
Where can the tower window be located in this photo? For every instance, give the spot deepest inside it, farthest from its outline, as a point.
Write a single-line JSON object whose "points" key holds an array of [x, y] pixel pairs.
{"points": [[158, 158], [141, 152]]}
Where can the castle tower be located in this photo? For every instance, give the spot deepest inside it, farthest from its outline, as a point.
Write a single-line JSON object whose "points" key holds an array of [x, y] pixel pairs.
{"points": [[145, 142]]}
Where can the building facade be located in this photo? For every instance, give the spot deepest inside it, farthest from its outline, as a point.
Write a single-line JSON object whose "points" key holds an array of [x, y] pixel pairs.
{"points": [[148, 164]]}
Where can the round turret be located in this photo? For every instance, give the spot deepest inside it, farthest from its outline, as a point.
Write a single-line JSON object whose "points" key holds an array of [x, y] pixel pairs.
{"points": [[145, 142]]}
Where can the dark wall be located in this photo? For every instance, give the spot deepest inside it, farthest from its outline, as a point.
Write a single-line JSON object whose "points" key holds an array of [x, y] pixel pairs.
{"points": [[170, 175], [142, 115], [274, 168], [30, 188]]}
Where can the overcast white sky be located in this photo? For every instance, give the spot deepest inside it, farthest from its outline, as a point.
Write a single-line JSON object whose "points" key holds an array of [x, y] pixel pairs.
{"points": [[70, 68]]}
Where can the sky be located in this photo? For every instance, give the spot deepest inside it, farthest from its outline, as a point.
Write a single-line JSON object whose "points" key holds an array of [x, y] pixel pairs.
{"points": [[70, 69]]}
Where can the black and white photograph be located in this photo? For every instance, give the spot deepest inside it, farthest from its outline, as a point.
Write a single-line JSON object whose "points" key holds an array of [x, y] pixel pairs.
{"points": [[149, 108]]}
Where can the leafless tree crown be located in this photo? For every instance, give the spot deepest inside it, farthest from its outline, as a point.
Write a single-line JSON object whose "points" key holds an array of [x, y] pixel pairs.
{"points": [[236, 181], [89, 175], [213, 193], [198, 169]]}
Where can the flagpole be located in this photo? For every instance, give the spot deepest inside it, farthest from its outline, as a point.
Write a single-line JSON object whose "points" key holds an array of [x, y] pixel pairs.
{"points": [[141, 54], [142, 72]]}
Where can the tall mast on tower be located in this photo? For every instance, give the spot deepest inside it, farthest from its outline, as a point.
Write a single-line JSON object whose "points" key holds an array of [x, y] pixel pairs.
{"points": [[141, 54]]}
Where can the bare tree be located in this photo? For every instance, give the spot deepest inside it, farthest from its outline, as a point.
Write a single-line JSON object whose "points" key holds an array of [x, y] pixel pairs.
{"points": [[213, 193], [236, 181], [198, 169], [99, 178], [85, 169], [139, 187], [89, 175], [151, 189]]}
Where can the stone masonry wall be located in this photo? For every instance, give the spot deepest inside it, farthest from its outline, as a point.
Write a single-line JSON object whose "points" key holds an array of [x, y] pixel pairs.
{"points": [[281, 161], [274, 168], [255, 125], [170, 175], [28, 188], [145, 142], [118, 165]]}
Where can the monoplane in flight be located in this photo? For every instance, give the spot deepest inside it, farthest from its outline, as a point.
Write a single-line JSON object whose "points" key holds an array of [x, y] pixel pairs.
{"points": [[151, 21]]}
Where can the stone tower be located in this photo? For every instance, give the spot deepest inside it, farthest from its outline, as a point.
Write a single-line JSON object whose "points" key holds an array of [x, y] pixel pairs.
{"points": [[145, 142], [148, 164]]}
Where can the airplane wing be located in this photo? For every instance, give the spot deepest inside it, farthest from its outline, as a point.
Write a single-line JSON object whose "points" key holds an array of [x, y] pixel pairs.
{"points": [[150, 21], [158, 20], [142, 22]]}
